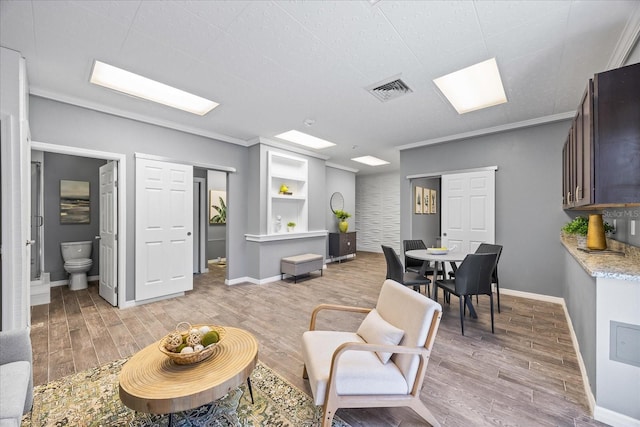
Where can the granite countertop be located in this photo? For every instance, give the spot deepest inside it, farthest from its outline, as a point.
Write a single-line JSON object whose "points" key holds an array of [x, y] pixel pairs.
{"points": [[609, 266]]}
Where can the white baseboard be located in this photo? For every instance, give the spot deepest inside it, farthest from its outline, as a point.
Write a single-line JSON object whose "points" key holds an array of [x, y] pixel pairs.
{"points": [[591, 400], [255, 281], [59, 283], [530, 295], [613, 418]]}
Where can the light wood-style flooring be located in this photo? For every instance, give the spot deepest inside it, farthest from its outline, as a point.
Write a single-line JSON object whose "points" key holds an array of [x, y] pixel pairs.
{"points": [[525, 374]]}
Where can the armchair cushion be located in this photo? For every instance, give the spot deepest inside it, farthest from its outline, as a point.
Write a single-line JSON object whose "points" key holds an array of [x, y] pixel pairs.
{"points": [[15, 377], [359, 372], [375, 330]]}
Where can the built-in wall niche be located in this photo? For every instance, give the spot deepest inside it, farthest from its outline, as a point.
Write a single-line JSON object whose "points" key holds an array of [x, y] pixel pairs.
{"points": [[287, 193]]}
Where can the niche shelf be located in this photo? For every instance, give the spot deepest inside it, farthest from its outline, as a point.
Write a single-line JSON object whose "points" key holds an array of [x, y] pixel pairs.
{"points": [[291, 171]]}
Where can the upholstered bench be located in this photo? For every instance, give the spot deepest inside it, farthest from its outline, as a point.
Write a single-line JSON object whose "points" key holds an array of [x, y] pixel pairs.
{"points": [[298, 265]]}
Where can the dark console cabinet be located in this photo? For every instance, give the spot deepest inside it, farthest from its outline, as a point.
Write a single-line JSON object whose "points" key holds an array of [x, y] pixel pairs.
{"points": [[341, 244]]}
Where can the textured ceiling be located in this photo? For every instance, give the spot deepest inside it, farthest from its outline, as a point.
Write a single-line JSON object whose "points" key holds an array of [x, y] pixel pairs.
{"points": [[273, 64]]}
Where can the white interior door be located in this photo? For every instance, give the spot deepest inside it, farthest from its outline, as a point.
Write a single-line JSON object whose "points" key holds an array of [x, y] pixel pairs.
{"points": [[468, 210], [108, 232], [164, 217]]}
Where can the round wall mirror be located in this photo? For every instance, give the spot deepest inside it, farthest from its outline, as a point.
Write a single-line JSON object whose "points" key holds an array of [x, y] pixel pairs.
{"points": [[337, 202]]}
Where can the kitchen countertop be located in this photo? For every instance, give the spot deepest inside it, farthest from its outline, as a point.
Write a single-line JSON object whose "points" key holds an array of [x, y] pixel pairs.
{"points": [[610, 266]]}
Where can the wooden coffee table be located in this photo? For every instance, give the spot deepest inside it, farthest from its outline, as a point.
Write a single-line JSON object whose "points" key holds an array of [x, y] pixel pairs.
{"points": [[150, 382]]}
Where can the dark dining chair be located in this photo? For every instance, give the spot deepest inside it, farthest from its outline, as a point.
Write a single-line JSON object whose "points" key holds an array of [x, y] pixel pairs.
{"points": [[486, 248], [395, 271], [473, 277], [416, 265]]}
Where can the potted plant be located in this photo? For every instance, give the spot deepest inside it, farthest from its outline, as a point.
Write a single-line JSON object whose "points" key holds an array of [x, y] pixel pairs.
{"points": [[342, 216], [291, 226], [579, 227]]}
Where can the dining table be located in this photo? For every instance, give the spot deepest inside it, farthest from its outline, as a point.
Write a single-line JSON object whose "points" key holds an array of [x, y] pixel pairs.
{"points": [[440, 258]]}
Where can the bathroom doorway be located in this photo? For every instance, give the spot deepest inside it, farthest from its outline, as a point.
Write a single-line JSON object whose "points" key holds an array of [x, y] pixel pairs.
{"points": [[71, 163]]}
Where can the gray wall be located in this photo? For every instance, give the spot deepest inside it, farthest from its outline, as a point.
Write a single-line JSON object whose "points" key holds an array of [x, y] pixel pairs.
{"points": [[342, 181], [56, 168], [529, 214], [427, 226], [58, 123], [580, 297]]}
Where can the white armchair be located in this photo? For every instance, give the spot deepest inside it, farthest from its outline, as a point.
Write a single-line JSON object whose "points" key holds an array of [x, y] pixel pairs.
{"points": [[383, 364]]}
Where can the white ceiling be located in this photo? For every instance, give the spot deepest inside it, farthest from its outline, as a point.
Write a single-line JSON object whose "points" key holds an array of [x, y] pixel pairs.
{"points": [[273, 64]]}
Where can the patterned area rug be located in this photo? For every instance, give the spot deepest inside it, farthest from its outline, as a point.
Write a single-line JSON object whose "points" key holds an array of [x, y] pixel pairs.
{"points": [[90, 398]]}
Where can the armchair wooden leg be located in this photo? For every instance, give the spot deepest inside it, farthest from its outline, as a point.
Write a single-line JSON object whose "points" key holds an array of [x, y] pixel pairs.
{"points": [[327, 414], [424, 412]]}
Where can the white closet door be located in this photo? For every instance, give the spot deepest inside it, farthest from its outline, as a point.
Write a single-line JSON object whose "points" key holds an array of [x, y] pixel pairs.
{"points": [[468, 210], [164, 225]]}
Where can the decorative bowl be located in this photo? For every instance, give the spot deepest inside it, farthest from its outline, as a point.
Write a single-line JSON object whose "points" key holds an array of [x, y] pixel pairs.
{"points": [[196, 356], [438, 251]]}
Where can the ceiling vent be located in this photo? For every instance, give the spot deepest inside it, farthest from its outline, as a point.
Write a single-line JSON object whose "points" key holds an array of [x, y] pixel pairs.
{"points": [[389, 89]]}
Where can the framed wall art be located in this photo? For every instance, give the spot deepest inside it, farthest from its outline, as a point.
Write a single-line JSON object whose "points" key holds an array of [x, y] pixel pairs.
{"points": [[432, 202], [217, 207], [75, 206], [417, 200], [426, 201]]}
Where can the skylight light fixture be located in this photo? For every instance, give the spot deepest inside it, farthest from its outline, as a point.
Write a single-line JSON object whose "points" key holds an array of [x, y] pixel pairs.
{"points": [[370, 160], [305, 139], [473, 88], [133, 84]]}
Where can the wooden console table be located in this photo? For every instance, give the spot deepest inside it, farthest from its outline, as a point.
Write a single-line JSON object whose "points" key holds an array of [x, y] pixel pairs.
{"points": [[342, 244], [150, 382]]}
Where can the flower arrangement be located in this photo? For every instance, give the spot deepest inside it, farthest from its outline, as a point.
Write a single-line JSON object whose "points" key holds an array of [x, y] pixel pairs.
{"points": [[342, 215]]}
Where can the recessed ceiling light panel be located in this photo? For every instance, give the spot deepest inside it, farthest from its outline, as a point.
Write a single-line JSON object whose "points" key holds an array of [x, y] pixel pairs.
{"points": [[370, 160], [136, 85], [473, 88], [307, 140]]}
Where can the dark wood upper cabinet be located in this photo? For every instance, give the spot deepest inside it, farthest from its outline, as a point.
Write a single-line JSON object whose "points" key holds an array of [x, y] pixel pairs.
{"points": [[601, 156], [616, 103]]}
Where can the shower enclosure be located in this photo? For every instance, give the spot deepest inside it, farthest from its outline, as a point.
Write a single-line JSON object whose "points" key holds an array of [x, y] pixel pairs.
{"points": [[37, 220]]}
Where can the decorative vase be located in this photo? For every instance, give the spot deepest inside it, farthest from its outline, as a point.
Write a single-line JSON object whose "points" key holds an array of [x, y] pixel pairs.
{"points": [[343, 226], [596, 239], [290, 229], [581, 241]]}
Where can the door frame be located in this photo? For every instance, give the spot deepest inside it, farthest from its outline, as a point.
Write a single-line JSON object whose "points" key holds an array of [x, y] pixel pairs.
{"points": [[121, 200], [203, 224], [410, 178]]}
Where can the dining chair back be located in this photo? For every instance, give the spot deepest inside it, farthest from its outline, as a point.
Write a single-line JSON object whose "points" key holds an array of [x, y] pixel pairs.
{"points": [[473, 277], [486, 248], [395, 271], [412, 264]]}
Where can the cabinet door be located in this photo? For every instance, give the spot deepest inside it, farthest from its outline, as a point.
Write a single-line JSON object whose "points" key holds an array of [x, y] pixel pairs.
{"points": [[583, 191], [617, 135]]}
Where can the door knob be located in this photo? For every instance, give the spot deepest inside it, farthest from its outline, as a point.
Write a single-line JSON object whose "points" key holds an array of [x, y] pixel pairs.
{"points": [[188, 233], [98, 237]]}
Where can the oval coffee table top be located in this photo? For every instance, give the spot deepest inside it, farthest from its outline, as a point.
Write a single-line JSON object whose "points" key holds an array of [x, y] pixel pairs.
{"points": [[150, 382]]}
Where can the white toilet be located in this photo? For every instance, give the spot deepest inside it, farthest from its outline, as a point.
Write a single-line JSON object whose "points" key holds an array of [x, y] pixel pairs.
{"points": [[77, 261]]}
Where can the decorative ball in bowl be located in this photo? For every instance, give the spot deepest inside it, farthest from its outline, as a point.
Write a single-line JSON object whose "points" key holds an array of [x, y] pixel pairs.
{"points": [[191, 343], [438, 251]]}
